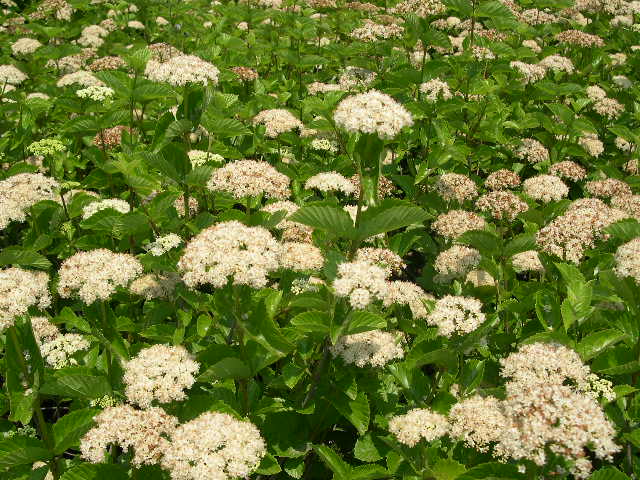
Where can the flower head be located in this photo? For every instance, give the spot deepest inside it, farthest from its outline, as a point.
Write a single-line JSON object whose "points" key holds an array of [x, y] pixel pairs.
{"points": [[372, 112]]}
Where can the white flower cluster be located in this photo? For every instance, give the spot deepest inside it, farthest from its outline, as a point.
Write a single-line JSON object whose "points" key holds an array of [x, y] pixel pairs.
{"points": [[557, 63], [353, 78], [163, 244], [375, 348], [291, 231], [455, 186], [591, 143], [528, 261], [57, 348], [454, 223], [114, 203], [550, 405], [628, 260], [410, 294], [456, 315], [277, 121], [11, 75], [123, 425], [230, 250], [25, 46], [95, 275], [213, 446], [477, 421], [607, 188], [330, 182], [135, 24], [250, 178], [456, 262], [81, 77], [418, 424], [92, 36], [530, 72], [372, 32], [362, 282], [300, 256], [20, 192], [19, 290], [502, 204], [546, 188], [544, 413], [502, 179], [436, 88], [569, 235], [568, 169], [390, 261], [161, 373], [182, 70], [372, 112], [154, 285], [532, 151], [96, 93]]}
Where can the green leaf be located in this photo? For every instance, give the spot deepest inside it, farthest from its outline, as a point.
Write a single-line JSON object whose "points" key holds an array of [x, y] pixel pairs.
{"points": [[263, 330], [76, 386], [624, 230], [368, 154], [294, 467], [150, 91], [339, 467], [562, 111], [356, 411], [519, 243], [368, 472], [608, 473], [138, 59], [592, 345], [312, 321], [105, 220], [199, 176], [69, 429], [23, 257], [22, 391], [22, 450], [325, 217], [173, 162], [130, 224], [633, 437], [625, 132], [389, 215], [90, 471], [362, 321], [577, 305], [369, 449], [463, 7], [203, 324], [485, 242], [224, 127], [229, 367], [472, 374], [268, 466], [489, 471], [447, 469], [119, 81], [177, 128]]}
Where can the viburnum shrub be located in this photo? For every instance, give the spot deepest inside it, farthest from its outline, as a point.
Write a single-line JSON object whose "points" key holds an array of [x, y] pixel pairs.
{"points": [[313, 239]]}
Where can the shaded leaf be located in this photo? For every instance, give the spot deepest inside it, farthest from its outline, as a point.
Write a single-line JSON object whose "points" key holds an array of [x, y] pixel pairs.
{"points": [[69, 429], [22, 450]]}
